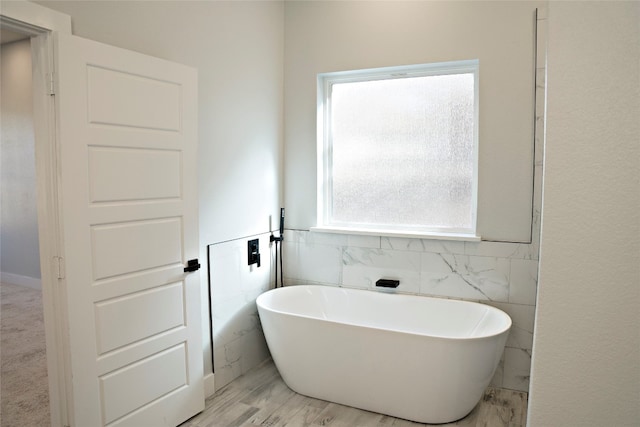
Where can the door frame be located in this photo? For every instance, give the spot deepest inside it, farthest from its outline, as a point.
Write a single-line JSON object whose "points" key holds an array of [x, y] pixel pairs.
{"points": [[39, 23]]}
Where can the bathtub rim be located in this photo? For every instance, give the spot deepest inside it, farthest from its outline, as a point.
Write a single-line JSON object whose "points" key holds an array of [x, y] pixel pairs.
{"points": [[506, 329]]}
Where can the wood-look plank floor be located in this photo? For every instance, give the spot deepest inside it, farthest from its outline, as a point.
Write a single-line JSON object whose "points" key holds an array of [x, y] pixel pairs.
{"points": [[261, 398]]}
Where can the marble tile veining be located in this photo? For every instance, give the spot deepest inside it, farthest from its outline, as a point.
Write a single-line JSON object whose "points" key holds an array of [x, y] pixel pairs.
{"points": [[498, 377], [362, 267], [499, 249], [423, 245], [314, 262], [517, 369], [484, 278], [364, 241], [522, 318], [524, 280]]}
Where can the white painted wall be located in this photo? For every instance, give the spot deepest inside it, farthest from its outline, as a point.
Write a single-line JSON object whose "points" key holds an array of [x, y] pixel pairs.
{"points": [[325, 36], [237, 48], [586, 354], [20, 255]]}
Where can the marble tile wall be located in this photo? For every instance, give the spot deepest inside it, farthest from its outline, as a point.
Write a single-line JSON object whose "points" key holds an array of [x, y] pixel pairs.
{"points": [[500, 274], [238, 341]]}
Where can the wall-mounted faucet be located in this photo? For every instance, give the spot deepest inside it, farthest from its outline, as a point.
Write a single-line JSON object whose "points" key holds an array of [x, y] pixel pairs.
{"points": [[281, 237], [253, 252], [277, 240], [387, 283]]}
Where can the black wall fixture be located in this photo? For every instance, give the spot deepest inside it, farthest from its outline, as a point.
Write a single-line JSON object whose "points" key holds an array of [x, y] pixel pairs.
{"points": [[277, 240], [253, 252]]}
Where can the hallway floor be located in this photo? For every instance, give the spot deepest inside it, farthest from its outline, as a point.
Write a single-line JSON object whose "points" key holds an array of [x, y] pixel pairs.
{"points": [[24, 393], [261, 398]]}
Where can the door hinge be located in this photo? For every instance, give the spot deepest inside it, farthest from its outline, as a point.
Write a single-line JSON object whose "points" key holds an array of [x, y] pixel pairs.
{"points": [[59, 265], [52, 85]]}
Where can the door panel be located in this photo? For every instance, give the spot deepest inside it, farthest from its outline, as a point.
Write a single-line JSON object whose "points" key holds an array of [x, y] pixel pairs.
{"points": [[125, 320], [142, 382], [120, 98], [127, 131], [140, 174], [135, 246]]}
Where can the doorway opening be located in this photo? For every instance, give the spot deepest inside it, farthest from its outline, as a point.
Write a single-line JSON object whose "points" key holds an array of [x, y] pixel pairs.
{"points": [[28, 22], [23, 363]]}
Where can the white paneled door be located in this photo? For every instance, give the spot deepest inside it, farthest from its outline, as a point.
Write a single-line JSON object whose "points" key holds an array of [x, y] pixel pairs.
{"points": [[128, 133]]}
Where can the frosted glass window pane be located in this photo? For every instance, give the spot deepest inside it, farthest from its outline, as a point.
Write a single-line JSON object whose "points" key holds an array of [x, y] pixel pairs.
{"points": [[403, 152]]}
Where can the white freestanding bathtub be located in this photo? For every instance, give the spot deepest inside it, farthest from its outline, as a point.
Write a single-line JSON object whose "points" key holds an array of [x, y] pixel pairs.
{"points": [[423, 359]]}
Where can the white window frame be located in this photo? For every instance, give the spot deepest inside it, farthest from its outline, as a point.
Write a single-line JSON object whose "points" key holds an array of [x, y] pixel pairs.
{"points": [[324, 148]]}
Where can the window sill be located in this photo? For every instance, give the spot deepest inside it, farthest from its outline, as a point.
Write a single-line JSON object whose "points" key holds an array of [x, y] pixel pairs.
{"points": [[393, 233]]}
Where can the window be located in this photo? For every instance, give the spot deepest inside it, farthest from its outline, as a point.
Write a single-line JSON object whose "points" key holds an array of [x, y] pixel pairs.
{"points": [[397, 150]]}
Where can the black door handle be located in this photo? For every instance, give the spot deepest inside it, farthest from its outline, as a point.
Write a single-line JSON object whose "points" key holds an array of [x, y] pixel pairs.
{"points": [[192, 265]]}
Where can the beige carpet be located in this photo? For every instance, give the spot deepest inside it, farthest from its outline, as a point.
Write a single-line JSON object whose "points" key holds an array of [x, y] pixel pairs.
{"points": [[24, 393]]}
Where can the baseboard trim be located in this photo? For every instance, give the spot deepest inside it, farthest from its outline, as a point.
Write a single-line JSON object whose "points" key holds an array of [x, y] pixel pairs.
{"points": [[209, 385], [16, 279]]}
